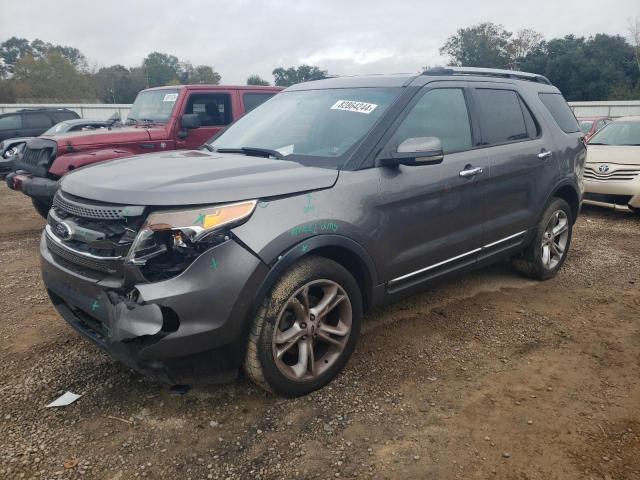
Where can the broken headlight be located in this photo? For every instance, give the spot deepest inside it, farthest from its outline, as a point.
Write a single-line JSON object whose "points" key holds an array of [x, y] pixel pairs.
{"points": [[186, 233]]}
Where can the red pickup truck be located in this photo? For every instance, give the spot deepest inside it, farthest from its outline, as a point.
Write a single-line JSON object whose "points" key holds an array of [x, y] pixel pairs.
{"points": [[164, 118]]}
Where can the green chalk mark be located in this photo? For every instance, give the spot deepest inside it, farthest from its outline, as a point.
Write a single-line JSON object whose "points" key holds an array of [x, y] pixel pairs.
{"points": [[200, 219], [305, 247], [214, 264], [263, 204], [95, 306]]}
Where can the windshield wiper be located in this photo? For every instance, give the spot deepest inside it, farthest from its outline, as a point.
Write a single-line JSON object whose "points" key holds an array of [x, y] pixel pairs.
{"points": [[253, 151]]}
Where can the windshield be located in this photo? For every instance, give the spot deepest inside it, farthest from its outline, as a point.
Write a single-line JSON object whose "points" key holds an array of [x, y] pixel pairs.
{"points": [[57, 128], [585, 126], [153, 106], [315, 127], [618, 133]]}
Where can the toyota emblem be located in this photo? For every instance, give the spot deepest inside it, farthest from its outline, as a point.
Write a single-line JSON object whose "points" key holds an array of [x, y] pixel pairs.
{"points": [[603, 168], [64, 231]]}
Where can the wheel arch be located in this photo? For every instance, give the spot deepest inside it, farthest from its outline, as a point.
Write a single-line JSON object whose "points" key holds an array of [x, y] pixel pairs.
{"points": [[569, 193]]}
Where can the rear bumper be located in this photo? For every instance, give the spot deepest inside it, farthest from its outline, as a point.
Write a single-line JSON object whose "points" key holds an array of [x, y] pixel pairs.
{"points": [[186, 329], [42, 189]]}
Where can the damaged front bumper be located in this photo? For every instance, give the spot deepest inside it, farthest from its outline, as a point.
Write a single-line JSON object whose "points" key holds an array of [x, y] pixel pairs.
{"points": [[180, 330]]}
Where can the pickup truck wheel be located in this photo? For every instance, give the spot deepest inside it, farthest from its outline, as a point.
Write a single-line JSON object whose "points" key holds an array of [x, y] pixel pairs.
{"points": [[547, 252], [306, 328], [41, 207]]}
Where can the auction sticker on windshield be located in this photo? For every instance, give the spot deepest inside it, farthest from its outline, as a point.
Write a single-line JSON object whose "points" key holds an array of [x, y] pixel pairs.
{"points": [[352, 106], [170, 97]]}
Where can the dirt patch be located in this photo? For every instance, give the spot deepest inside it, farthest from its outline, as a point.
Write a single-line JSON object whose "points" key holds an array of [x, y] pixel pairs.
{"points": [[486, 376]]}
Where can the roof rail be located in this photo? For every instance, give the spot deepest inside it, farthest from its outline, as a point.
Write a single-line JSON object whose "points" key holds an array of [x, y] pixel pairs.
{"points": [[490, 72]]}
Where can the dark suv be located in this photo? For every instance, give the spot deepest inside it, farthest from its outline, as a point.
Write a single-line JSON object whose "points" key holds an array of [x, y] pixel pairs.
{"points": [[32, 122], [264, 249]]}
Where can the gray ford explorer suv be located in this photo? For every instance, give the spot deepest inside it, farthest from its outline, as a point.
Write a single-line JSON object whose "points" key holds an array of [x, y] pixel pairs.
{"points": [[262, 250]]}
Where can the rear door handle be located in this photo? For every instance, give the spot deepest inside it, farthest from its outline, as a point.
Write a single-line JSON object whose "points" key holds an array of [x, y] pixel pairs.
{"points": [[544, 155], [470, 172]]}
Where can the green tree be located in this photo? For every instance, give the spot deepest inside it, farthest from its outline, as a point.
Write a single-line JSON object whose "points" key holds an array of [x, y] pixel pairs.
{"points": [[204, 74], [482, 45], [118, 84], [257, 80], [160, 69], [15, 49], [601, 67], [285, 77], [50, 78]]}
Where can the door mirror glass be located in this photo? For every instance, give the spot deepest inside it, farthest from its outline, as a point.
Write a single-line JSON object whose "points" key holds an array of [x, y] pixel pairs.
{"points": [[417, 151], [190, 121]]}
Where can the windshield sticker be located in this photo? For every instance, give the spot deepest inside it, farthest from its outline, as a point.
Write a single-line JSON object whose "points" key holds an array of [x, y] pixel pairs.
{"points": [[285, 151], [351, 106], [170, 97]]}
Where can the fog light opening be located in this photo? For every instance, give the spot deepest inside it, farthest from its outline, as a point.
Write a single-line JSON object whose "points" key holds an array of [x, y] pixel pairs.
{"points": [[170, 320]]}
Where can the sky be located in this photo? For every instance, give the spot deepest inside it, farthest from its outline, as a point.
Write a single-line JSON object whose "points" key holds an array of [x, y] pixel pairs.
{"points": [[244, 37]]}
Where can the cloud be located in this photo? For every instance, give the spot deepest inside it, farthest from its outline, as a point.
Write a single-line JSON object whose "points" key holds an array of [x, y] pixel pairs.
{"points": [[244, 37]]}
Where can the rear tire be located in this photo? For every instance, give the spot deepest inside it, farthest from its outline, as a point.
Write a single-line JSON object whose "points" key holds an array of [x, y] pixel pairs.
{"points": [[306, 328], [41, 207], [548, 250]]}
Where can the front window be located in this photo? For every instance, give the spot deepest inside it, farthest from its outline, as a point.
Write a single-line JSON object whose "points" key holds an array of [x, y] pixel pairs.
{"points": [[315, 127], [153, 106], [618, 133], [585, 126]]}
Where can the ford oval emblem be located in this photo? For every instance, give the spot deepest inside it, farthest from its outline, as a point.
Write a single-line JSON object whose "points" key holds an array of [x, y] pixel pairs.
{"points": [[603, 168], [64, 231]]}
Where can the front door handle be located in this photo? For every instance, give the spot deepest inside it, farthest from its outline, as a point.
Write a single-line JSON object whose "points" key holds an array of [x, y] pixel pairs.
{"points": [[470, 171], [544, 154]]}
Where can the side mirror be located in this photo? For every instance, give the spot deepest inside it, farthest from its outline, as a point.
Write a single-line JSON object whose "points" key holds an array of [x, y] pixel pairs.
{"points": [[190, 121], [416, 151]]}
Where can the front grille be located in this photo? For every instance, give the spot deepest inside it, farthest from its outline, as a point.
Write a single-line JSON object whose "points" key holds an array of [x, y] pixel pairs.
{"points": [[97, 210], [36, 157], [101, 265], [90, 235], [619, 174]]}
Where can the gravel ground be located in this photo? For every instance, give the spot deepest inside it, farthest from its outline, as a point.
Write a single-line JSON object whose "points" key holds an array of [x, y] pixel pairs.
{"points": [[486, 376]]}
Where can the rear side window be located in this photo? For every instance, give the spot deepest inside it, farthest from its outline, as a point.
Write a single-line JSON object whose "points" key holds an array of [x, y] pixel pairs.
{"points": [[10, 122], [440, 113], [38, 120], [252, 100], [560, 112], [502, 119]]}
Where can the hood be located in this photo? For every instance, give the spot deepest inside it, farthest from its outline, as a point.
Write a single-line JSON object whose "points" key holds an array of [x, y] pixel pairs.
{"points": [[103, 136], [619, 154], [193, 177]]}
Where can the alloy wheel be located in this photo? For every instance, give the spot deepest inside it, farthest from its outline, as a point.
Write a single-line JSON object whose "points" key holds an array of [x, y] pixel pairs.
{"points": [[312, 330], [554, 239]]}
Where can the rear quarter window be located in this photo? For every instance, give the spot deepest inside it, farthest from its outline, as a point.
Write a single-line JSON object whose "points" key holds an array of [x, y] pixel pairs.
{"points": [[560, 111]]}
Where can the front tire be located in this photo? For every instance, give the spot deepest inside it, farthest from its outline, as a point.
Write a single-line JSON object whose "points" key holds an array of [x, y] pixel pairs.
{"points": [[546, 254], [41, 207], [306, 328]]}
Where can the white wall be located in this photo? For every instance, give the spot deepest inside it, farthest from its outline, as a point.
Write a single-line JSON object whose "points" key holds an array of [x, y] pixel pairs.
{"points": [[614, 108], [93, 111]]}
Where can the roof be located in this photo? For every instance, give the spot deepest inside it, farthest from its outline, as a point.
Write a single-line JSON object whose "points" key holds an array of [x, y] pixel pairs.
{"points": [[202, 86], [356, 81], [487, 72]]}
